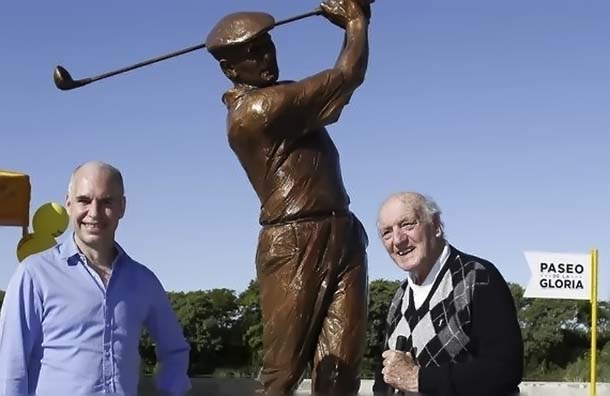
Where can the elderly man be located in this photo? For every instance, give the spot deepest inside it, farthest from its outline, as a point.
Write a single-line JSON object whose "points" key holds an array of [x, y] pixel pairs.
{"points": [[311, 260], [454, 310], [72, 315]]}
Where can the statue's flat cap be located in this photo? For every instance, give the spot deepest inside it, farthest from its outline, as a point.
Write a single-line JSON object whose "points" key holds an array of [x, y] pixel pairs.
{"points": [[238, 28]]}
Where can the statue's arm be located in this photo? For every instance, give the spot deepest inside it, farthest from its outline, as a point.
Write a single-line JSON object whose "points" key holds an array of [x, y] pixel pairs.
{"points": [[318, 100], [353, 59]]}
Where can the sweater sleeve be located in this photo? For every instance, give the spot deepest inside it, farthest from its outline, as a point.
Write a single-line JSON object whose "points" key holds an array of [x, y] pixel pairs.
{"points": [[496, 367]]}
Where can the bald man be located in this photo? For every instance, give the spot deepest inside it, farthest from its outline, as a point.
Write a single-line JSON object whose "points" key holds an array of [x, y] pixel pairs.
{"points": [[72, 315]]}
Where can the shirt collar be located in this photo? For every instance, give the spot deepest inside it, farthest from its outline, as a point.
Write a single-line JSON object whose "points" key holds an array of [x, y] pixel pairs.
{"points": [[231, 97], [69, 250], [235, 94], [438, 264]]}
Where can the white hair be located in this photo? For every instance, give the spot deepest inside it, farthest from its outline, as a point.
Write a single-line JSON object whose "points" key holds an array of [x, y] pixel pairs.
{"points": [[423, 204]]}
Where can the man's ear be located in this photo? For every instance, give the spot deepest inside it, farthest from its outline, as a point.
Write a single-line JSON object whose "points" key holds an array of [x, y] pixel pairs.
{"points": [[438, 226], [123, 206], [227, 69]]}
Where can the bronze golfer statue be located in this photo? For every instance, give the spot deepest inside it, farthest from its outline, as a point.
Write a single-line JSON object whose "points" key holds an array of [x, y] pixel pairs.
{"points": [[311, 259]]}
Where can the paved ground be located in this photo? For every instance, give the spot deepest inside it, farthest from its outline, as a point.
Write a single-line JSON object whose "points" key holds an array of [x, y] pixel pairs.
{"points": [[247, 387]]}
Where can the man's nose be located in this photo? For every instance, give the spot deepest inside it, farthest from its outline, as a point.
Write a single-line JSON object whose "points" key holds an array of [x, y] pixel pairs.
{"points": [[94, 209], [398, 235]]}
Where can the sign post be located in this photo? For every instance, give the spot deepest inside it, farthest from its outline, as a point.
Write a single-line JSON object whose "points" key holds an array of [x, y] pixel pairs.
{"points": [[593, 322], [567, 276]]}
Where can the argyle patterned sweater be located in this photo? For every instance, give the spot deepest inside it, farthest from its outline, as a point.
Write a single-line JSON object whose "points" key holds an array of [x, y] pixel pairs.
{"points": [[465, 336]]}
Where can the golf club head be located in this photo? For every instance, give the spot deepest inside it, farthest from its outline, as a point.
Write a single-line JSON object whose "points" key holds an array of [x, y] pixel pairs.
{"points": [[63, 79]]}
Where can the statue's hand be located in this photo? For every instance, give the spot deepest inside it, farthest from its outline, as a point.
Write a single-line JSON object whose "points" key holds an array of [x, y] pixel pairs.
{"points": [[341, 12], [366, 8]]}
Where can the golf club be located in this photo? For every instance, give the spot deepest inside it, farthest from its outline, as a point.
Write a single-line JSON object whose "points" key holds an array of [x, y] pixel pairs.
{"points": [[64, 81]]}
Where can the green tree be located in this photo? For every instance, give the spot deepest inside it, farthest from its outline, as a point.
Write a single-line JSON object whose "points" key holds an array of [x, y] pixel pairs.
{"points": [[553, 334], [251, 325], [579, 371], [207, 318], [147, 354], [603, 318], [381, 292]]}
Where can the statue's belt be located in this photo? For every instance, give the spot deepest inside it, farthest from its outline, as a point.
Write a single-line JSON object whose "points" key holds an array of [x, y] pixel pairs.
{"points": [[316, 216]]}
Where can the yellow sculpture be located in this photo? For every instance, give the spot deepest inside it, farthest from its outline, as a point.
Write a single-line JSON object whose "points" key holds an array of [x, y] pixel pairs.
{"points": [[49, 221], [14, 199], [34, 243]]}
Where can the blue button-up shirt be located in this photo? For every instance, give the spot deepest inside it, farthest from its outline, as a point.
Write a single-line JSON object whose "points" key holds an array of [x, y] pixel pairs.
{"points": [[63, 333]]}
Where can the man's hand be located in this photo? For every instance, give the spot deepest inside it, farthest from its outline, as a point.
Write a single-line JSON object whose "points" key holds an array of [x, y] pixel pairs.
{"points": [[400, 371], [340, 12]]}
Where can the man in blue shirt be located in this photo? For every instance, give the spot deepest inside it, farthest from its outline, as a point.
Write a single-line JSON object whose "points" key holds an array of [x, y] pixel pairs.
{"points": [[72, 315]]}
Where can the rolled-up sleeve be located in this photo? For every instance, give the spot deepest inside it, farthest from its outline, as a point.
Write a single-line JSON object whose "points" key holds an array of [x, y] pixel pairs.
{"points": [[308, 104], [20, 332], [172, 349]]}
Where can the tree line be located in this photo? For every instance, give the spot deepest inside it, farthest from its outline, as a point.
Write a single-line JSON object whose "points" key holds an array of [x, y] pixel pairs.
{"points": [[224, 329], [225, 332]]}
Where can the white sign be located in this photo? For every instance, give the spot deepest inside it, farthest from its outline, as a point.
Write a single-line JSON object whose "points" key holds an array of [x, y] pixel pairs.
{"points": [[559, 275]]}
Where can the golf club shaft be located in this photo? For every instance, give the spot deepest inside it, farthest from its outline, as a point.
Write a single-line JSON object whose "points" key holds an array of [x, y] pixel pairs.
{"points": [[145, 63], [85, 81]]}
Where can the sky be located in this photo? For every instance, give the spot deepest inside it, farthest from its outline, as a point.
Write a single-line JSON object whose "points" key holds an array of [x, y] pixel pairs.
{"points": [[496, 109]]}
